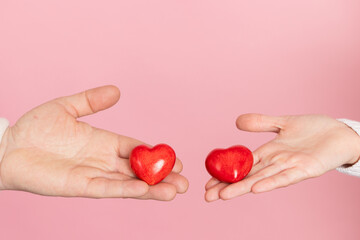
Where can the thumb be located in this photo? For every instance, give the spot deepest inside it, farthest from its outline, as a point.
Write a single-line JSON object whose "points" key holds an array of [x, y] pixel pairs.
{"points": [[252, 122], [90, 101]]}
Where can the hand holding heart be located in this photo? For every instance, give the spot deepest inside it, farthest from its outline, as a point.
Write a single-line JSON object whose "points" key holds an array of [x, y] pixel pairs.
{"points": [[49, 152], [305, 147]]}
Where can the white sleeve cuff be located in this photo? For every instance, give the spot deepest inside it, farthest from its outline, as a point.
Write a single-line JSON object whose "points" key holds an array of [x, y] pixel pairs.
{"points": [[4, 124], [354, 169]]}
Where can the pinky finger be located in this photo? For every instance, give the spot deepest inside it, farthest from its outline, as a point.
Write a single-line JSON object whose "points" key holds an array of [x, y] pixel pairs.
{"points": [[212, 182], [213, 193], [282, 179]]}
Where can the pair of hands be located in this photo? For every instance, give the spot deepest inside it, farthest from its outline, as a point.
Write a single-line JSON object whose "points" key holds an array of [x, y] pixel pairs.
{"points": [[49, 152]]}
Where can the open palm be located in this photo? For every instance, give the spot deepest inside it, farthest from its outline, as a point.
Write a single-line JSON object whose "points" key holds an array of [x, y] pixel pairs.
{"points": [[49, 152], [305, 146]]}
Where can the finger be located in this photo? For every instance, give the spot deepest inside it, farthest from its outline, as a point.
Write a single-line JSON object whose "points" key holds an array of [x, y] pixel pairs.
{"points": [[178, 167], [257, 167], [283, 179], [89, 172], [252, 122], [263, 152], [212, 194], [127, 144], [244, 186], [113, 175], [123, 166], [161, 191], [179, 181], [90, 101], [266, 155], [109, 188], [212, 182]]}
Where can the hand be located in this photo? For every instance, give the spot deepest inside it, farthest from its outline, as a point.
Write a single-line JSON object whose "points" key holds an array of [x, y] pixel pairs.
{"points": [[305, 147], [49, 152]]}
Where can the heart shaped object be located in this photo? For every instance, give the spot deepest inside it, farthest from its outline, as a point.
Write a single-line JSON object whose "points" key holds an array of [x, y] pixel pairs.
{"points": [[152, 165], [229, 165]]}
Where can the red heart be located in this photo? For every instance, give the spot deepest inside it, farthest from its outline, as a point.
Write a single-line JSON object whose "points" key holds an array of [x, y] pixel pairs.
{"points": [[152, 165], [229, 165]]}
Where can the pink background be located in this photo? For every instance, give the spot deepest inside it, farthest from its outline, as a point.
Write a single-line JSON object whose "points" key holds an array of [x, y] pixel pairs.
{"points": [[186, 69]]}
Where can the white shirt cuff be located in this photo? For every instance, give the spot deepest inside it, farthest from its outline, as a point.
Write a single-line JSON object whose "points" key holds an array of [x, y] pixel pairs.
{"points": [[354, 169], [4, 124]]}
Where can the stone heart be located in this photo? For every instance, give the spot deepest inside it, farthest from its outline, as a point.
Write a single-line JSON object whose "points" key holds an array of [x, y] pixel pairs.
{"points": [[152, 165], [229, 165]]}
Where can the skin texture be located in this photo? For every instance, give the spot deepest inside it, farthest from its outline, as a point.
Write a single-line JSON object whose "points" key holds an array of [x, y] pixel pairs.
{"points": [[152, 165], [305, 147], [229, 165], [49, 152]]}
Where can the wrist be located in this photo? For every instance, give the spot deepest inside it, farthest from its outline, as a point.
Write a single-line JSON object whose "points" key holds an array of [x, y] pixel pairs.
{"points": [[357, 151], [3, 144], [4, 131], [354, 141], [4, 124]]}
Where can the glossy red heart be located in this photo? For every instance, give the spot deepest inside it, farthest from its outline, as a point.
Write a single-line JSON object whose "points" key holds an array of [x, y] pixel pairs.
{"points": [[229, 165], [152, 165]]}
